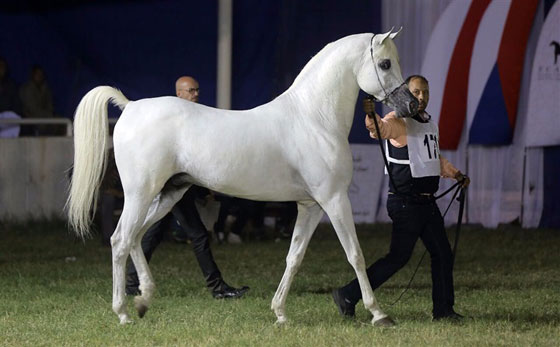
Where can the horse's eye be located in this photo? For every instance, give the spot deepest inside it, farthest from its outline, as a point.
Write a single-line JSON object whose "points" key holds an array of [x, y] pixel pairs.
{"points": [[385, 64]]}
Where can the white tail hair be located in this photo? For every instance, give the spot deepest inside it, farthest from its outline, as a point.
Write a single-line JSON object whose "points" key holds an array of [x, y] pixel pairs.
{"points": [[91, 133]]}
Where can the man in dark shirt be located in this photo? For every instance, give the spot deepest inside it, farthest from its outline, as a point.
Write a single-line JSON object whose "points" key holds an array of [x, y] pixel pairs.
{"points": [[415, 165]]}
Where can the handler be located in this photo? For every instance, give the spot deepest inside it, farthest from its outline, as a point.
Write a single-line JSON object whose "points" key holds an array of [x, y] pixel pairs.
{"points": [[415, 165], [186, 213]]}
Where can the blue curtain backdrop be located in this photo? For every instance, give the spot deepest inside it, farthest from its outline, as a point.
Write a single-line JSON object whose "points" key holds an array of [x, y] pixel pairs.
{"points": [[273, 40], [141, 47]]}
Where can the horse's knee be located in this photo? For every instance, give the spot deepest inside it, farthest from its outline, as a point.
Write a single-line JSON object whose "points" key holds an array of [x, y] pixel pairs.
{"points": [[293, 261], [356, 260]]}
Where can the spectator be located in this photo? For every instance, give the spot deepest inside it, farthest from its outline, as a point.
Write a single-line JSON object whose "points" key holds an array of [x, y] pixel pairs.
{"points": [[10, 105], [37, 100], [243, 210]]}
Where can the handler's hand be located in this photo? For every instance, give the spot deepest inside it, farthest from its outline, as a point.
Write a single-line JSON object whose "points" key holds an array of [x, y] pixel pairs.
{"points": [[371, 126], [369, 106], [464, 179]]}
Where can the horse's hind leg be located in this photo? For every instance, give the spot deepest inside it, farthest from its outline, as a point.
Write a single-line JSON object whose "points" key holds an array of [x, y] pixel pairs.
{"points": [[128, 228], [309, 215], [161, 205], [339, 211]]}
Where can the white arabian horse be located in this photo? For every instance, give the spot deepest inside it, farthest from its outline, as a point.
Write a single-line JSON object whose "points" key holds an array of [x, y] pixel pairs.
{"points": [[294, 148]]}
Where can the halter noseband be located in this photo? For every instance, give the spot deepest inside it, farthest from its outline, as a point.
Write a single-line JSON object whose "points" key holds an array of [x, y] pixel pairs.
{"points": [[387, 95]]}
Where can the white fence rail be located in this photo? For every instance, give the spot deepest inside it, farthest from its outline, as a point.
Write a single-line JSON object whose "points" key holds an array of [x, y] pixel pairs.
{"points": [[40, 121]]}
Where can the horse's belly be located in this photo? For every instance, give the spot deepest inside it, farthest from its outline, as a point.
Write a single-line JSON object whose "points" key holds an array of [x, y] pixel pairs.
{"points": [[265, 182]]}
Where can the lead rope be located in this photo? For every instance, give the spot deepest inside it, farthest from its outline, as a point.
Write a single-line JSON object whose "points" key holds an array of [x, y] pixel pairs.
{"points": [[461, 200]]}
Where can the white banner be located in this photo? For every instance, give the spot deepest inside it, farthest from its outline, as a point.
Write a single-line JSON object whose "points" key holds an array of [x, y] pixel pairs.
{"points": [[543, 119], [364, 190]]}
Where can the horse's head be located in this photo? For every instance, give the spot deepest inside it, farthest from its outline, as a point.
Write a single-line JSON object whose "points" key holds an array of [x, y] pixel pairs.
{"points": [[380, 75]]}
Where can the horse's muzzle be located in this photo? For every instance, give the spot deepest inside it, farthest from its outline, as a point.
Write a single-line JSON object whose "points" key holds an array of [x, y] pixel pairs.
{"points": [[403, 102]]}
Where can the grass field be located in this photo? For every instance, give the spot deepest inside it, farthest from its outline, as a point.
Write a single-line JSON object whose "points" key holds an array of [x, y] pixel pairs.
{"points": [[507, 280]]}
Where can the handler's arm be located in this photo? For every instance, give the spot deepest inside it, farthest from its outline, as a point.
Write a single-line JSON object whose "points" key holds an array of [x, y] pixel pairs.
{"points": [[390, 127], [450, 171], [447, 169]]}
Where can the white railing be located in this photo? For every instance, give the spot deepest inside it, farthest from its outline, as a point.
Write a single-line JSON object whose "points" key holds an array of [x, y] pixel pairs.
{"points": [[39, 121]]}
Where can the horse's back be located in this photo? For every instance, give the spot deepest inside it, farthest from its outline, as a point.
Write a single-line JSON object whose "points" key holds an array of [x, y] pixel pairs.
{"points": [[240, 153]]}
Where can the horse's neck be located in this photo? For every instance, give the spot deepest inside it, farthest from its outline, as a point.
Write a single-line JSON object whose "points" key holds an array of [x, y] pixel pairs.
{"points": [[327, 88]]}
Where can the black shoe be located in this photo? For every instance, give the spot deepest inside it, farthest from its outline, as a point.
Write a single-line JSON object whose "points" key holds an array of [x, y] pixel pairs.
{"points": [[450, 316], [132, 291], [345, 307], [228, 292]]}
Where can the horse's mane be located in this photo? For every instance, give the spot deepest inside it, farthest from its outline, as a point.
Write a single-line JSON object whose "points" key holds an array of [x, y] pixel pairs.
{"points": [[318, 60]]}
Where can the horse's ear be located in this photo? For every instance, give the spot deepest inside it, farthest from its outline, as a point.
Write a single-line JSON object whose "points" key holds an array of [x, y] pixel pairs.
{"points": [[382, 37], [393, 35]]}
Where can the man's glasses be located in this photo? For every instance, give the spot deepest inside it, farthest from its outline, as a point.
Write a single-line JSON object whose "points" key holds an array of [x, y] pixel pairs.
{"points": [[192, 90]]}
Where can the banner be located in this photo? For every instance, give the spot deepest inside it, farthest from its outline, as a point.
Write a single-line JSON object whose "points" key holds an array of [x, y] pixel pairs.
{"points": [[367, 182], [543, 120], [436, 65], [496, 113], [474, 64]]}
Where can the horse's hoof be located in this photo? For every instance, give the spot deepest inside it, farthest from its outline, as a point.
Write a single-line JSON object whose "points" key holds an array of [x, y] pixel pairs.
{"points": [[141, 310], [140, 306], [281, 321], [385, 322], [124, 320]]}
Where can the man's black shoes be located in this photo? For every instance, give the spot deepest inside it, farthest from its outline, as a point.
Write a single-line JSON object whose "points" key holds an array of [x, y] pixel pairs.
{"points": [[227, 292], [345, 307], [132, 291], [450, 316]]}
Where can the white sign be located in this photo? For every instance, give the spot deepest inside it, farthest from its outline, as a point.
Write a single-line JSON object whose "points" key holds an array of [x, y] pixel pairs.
{"points": [[543, 120]]}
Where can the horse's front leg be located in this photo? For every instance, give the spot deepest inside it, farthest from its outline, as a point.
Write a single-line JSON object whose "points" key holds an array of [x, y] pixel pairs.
{"points": [[309, 215], [339, 211]]}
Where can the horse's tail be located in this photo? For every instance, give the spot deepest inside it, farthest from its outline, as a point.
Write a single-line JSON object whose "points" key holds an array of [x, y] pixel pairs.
{"points": [[91, 134]]}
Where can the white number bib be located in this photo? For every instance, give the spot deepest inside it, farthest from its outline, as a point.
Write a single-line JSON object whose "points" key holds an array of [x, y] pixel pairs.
{"points": [[423, 148]]}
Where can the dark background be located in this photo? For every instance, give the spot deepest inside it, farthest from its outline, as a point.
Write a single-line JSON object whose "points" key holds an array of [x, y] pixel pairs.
{"points": [[141, 47]]}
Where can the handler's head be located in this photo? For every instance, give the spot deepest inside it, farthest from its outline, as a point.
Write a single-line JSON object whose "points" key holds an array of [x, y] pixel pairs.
{"points": [[419, 87], [186, 88]]}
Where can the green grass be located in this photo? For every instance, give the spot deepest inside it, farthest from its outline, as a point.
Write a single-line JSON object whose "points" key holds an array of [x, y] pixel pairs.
{"points": [[507, 279]]}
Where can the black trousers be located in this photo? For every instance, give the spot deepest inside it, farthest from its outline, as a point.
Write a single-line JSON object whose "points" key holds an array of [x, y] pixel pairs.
{"points": [[244, 210], [186, 213], [413, 220]]}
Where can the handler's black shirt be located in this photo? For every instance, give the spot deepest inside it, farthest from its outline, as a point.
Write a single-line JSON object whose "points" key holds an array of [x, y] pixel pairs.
{"points": [[403, 177]]}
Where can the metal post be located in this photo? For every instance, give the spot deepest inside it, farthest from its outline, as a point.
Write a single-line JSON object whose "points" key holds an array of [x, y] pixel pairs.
{"points": [[225, 9], [523, 186]]}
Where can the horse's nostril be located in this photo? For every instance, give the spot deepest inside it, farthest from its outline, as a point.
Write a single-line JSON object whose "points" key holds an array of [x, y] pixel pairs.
{"points": [[413, 106]]}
